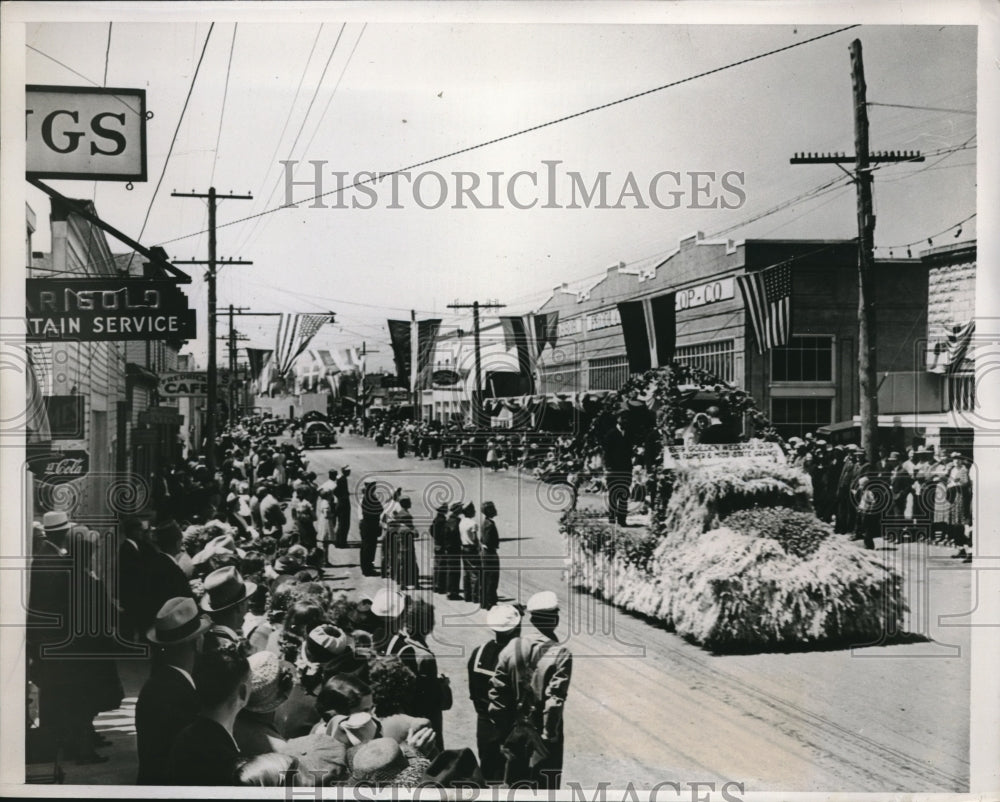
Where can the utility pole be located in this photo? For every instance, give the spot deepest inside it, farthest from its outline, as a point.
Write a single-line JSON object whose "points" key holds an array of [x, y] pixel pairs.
{"points": [[213, 387], [361, 385], [232, 356], [862, 178], [475, 306]]}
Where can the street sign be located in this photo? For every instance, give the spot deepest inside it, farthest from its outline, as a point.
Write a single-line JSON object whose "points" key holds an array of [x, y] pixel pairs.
{"points": [[58, 467], [88, 133], [86, 310], [189, 385]]}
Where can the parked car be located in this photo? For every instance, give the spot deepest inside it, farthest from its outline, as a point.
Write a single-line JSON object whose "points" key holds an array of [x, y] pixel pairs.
{"points": [[318, 433]]}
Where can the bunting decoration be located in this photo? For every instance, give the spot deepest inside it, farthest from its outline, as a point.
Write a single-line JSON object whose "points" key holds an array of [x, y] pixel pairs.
{"points": [[295, 332], [413, 351], [427, 333], [767, 295]]}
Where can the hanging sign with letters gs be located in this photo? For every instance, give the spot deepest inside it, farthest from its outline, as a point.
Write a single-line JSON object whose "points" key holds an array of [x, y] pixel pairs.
{"points": [[87, 310], [87, 133]]}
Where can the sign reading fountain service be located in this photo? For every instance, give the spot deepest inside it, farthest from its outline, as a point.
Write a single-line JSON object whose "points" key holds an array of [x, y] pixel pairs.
{"points": [[87, 310]]}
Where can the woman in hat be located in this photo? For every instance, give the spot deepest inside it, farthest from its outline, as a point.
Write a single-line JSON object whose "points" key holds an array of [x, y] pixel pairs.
{"points": [[959, 494], [271, 682], [403, 557], [386, 762]]}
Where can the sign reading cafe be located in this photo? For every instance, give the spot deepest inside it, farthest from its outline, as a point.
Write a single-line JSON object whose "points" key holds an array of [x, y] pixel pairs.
{"points": [[106, 309]]}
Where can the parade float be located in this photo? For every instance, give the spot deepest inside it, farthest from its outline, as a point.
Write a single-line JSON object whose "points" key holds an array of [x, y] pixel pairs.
{"points": [[731, 555]]}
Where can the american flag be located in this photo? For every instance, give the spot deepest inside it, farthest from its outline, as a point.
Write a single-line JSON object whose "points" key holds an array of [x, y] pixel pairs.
{"points": [[959, 339], [294, 335], [767, 295]]}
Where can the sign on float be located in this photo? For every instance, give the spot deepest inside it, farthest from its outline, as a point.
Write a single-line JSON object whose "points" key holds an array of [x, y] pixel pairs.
{"points": [[78, 132]]}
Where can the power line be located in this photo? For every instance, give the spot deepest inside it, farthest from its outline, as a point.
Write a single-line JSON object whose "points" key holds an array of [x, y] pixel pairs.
{"points": [[302, 125], [288, 117], [225, 93], [538, 127], [322, 116], [920, 108], [180, 120], [952, 227], [107, 53]]}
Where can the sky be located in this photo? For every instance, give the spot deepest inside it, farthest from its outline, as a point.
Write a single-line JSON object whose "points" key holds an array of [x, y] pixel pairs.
{"points": [[377, 97]]}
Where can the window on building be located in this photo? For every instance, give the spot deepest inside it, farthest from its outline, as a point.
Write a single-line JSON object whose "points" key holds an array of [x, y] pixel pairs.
{"points": [[607, 374], [717, 358], [796, 416], [559, 379], [803, 359]]}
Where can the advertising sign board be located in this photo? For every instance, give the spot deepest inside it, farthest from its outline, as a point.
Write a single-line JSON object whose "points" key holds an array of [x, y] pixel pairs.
{"points": [[88, 133], [75, 310]]}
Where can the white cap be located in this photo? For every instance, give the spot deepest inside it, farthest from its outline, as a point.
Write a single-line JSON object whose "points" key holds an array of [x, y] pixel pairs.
{"points": [[388, 604], [543, 602], [503, 617]]}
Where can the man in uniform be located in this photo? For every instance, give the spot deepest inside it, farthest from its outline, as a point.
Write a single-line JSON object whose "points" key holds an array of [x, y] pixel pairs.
{"points": [[489, 540], [527, 695], [453, 552], [505, 622]]}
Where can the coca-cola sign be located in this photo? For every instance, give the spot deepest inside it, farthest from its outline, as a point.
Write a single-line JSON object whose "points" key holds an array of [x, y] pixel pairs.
{"points": [[56, 467]]}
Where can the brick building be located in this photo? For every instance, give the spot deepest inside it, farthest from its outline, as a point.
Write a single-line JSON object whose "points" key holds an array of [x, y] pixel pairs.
{"points": [[807, 383]]}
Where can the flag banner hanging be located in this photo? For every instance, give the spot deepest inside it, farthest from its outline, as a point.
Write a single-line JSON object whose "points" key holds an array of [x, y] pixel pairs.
{"points": [[427, 332], [509, 333], [329, 363], [551, 329], [257, 357], [295, 332], [767, 295], [399, 334], [637, 347], [663, 316], [949, 354]]}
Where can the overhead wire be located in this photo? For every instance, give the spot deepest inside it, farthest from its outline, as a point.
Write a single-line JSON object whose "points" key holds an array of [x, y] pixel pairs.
{"points": [[322, 116], [269, 164], [302, 125], [540, 126], [173, 140], [222, 111]]}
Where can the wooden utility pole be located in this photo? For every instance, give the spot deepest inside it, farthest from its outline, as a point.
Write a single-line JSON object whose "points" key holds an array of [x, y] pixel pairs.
{"points": [[477, 402], [213, 378], [862, 178], [361, 383]]}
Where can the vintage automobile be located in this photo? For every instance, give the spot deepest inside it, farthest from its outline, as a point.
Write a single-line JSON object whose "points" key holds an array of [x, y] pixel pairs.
{"points": [[318, 433]]}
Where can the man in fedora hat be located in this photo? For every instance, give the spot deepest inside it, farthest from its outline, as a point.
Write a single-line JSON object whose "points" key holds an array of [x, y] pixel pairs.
{"points": [[205, 752], [439, 533], [453, 551], [489, 541], [504, 621], [342, 493], [370, 516], [226, 599], [168, 701], [527, 696], [48, 623]]}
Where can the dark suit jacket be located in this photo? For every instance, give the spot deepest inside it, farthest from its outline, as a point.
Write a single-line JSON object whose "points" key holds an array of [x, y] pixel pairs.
{"points": [[167, 704], [617, 451], [204, 754]]}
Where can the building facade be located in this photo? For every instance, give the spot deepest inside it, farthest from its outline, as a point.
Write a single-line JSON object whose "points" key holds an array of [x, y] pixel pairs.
{"points": [[809, 382]]}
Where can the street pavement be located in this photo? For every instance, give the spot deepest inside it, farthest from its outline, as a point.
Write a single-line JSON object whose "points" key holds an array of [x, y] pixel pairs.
{"points": [[647, 707]]}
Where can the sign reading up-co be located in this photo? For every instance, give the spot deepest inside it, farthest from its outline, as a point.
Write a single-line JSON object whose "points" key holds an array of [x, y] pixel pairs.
{"points": [[78, 132]]}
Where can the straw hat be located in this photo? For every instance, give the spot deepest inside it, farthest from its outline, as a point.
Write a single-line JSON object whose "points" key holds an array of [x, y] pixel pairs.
{"points": [[383, 761], [55, 521], [271, 682]]}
